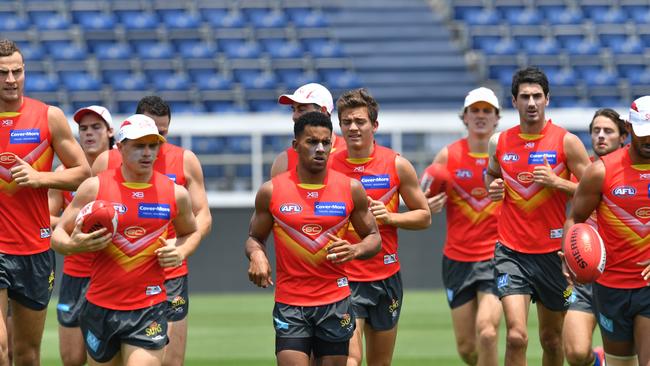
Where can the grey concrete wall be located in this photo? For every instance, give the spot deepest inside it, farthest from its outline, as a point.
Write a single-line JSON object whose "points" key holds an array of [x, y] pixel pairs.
{"points": [[219, 265]]}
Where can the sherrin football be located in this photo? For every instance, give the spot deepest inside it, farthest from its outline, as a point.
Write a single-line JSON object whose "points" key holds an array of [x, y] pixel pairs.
{"points": [[584, 252], [435, 179], [96, 215]]}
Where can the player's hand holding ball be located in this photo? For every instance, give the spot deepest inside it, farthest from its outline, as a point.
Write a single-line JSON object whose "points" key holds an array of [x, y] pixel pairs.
{"points": [[584, 253], [95, 226]]}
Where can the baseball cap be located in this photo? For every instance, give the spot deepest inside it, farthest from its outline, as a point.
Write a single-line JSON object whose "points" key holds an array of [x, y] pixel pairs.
{"points": [[97, 109], [640, 116], [311, 93], [136, 126], [481, 94]]}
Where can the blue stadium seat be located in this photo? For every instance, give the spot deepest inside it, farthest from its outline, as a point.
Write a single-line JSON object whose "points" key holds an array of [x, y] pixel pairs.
{"points": [[40, 82], [324, 48], [196, 49], [565, 16], [546, 46], [212, 81], [263, 18], [222, 18], [241, 49], [112, 51], [640, 14], [481, 16], [630, 46], [238, 144], [264, 106], [529, 16], [127, 81], [208, 144], [133, 20], [562, 77], [13, 22], [32, 52], [383, 139], [217, 106], [67, 51], [293, 79], [181, 20], [92, 20], [462, 10], [612, 15], [342, 80], [80, 81], [47, 20], [171, 82], [306, 18], [591, 9], [505, 46], [599, 77], [186, 107], [641, 80], [154, 50], [213, 171], [251, 79], [276, 143], [280, 48], [583, 47]]}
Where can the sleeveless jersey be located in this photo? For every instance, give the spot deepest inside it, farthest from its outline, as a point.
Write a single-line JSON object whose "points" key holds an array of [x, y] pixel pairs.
{"points": [[169, 163], [303, 216], [471, 215], [532, 215], [378, 175], [624, 220], [25, 219], [76, 265], [292, 155], [126, 274]]}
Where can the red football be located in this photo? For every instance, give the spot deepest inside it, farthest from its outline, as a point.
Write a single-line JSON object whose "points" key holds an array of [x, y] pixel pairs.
{"points": [[98, 214], [584, 252], [435, 179]]}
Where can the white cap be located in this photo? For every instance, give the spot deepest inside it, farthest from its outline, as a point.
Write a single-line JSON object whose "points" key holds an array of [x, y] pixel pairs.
{"points": [[136, 126], [98, 110], [481, 95], [640, 116], [311, 93]]}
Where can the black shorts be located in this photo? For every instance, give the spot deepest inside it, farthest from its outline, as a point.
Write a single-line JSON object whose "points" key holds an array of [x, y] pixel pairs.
{"points": [[72, 296], [616, 309], [581, 298], [104, 330], [29, 279], [178, 301], [379, 302], [332, 323], [537, 275], [464, 279]]}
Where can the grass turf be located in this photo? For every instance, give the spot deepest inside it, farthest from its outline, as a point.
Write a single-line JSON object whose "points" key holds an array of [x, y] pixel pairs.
{"points": [[236, 329]]}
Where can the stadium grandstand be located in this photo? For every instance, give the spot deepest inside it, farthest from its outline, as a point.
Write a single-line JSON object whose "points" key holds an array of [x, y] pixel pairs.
{"points": [[221, 60]]}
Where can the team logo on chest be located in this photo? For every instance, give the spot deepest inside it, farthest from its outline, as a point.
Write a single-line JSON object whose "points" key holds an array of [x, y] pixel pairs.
{"points": [[312, 229], [7, 158]]}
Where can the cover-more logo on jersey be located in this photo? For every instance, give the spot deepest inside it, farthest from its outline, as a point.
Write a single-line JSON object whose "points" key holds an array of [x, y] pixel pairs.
{"points": [[537, 157], [381, 181], [329, 208], [290, 208]]}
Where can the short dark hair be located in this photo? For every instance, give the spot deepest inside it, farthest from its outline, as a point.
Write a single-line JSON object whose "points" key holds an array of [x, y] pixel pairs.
{"points": [[8, 48], [316, 119], [529, 75], [612, 115], [358, 98], [155, 105]]}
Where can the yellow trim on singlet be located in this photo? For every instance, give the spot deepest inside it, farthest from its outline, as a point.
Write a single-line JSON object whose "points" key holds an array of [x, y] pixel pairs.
{"points": [[640, 166], [530, 136], [9, 114], [478, 155], [358, 160], [310, 186], [136, 185]]}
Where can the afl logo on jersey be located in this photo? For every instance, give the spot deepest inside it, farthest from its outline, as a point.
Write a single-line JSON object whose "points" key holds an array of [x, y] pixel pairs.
{"points": [[643, 213], [510, 157], [525, 177], [463, 174], [7, 158], [624, 191], [290, 208], [134, 232], [312, 229]]}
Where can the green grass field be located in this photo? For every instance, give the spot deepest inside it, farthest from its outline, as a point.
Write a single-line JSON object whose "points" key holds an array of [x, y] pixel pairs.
{"points": [[237, 330]]}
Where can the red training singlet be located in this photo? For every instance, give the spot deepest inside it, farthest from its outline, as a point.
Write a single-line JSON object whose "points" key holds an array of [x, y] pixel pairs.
{"points": [[126, 274], [292, 155], [532, 215], [76, 265], [624, 220], [471, 214], [304, 215], [378, 175], [25, 219], [169, 163]]}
